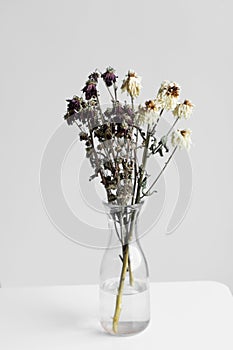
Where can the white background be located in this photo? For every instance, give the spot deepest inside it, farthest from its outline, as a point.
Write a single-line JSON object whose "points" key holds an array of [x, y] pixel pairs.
{"points": [[47, 50]]}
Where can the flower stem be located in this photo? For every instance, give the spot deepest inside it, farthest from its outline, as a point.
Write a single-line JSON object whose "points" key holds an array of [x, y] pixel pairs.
{"points": [[169, 131], [135, 168], [167, 134], [120, 289], [115, 91], [132, 102], [162, 170], [99, 169], [131, 278], [126, 266], [113, 100], [157, 121], [144, 160]]}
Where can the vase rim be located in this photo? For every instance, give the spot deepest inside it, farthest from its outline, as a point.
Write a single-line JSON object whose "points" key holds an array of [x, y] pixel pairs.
{"points": [[119, 206]]}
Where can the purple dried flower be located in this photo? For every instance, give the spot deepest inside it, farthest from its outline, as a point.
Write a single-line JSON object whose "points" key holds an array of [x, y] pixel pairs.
{"points": [[94, 76], [90, 89], [74, 105], [109, 76]]}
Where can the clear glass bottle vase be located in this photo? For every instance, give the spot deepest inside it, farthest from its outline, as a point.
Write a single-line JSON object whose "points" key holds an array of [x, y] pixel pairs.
{"points": [[124, 277]]}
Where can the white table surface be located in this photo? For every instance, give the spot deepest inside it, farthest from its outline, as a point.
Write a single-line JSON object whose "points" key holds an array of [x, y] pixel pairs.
{"points": [[184, 316]]}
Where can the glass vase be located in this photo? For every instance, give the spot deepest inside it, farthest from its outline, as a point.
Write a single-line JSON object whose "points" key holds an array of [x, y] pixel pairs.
{"points": [[124, 277]]}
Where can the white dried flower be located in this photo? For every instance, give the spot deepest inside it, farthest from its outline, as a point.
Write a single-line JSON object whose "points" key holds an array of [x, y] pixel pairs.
{"points": [[183, 109], [132, 84], [159, 103], [181, 138], [168, 95], [140, 116], [148, 114], [151, 117]]}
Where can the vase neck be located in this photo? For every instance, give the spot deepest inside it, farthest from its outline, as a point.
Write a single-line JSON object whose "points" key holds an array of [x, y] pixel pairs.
{"points": [[122, 221]]}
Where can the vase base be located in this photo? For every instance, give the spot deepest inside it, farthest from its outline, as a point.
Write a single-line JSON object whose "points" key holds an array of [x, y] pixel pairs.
{"points": [[125, 328]]}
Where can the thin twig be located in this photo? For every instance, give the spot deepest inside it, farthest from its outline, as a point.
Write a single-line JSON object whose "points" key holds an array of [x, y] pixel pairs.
{"points": [[132, 102], [167, 134], [144, 160], [135, 168], [165, 165], [116, 229], [110, 93], [78, 126], [157, 121], [169, 131], [115, 91]]}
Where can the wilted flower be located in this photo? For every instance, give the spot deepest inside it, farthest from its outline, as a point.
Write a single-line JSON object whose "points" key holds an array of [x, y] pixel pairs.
{"points": [[147, 114], [168, 94], [90, 89], [181, 138], [183, 109], [73, 107], [132, 84], [114, 137], [109, 76], [75, 104], [83, 136], [151, 106], [94, 76]]}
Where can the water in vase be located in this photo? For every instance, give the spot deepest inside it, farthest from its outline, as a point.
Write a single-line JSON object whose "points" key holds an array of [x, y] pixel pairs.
{"points": [[135, 306]]}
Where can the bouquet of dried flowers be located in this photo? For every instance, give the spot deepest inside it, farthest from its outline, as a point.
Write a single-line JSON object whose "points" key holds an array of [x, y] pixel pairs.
{"points": [[120, 139]]}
